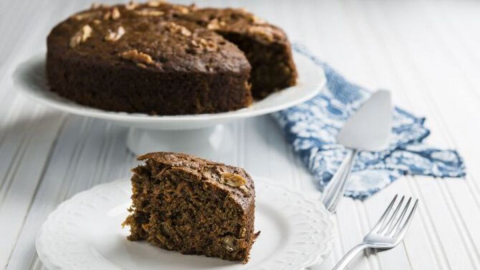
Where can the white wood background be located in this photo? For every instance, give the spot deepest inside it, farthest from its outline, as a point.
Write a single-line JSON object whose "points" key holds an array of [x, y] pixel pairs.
{"points": [[426, 52]]}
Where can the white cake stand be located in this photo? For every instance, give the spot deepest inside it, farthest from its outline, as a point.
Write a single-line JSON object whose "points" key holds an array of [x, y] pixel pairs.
{"points": [[195, 134]]}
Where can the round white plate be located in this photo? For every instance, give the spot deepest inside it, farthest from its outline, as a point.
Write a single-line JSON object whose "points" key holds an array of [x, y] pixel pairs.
{"points": [[31, 80], [85, 233]]}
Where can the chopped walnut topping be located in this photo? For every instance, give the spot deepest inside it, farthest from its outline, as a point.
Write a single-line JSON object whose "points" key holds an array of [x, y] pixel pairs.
{"points": [[215, 24], [81, 36], [204, 45], [131, 5], [114, 36], [194, 44], [257, 20], [233, 180], [115, 14], [149, 12], [183, 10], [175, 28], [138, 57], [210, 46], [86, 15], [265, 33], [154, 3], [184, 31]]}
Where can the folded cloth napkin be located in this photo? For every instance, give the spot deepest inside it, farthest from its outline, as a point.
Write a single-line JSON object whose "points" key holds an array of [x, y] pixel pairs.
{"points": [[311, 128]]}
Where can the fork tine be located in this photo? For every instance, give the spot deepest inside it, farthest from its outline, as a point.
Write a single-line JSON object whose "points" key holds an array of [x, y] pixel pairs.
{"points": [[390, 221], [385, 214], [395, 227], [407, 222]]}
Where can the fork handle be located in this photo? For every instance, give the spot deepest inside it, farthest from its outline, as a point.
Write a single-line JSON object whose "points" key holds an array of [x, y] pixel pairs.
{"points": [[349, 256]]}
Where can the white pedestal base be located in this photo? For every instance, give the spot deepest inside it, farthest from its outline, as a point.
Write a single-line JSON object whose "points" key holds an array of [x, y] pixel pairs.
{"points": [[207, 142]]}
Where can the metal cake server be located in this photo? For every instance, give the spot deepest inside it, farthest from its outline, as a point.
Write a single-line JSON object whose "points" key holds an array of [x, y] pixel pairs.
{"points": [[368, 129]]}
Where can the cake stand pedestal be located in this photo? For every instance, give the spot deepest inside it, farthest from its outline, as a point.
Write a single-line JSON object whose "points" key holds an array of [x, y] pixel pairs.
{"points": [[210, 142]]}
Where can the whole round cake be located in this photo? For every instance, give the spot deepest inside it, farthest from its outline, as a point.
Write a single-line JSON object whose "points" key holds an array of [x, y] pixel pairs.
{"points": [[165, 59]]}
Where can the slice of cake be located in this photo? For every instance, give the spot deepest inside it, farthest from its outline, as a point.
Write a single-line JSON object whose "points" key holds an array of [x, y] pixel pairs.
{"points": [[194, 206]]}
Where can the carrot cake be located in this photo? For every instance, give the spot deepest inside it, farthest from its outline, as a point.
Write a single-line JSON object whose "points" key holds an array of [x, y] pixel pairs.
{"points": [[193, 206], [165, 59]]}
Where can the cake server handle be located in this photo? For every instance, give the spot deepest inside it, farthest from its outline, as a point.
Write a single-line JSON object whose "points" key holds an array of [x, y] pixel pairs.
{"points": [[336, 188]]}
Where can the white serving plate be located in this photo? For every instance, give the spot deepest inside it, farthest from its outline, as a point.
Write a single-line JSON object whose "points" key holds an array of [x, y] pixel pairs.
{"points": [[30, 79], [85, 233]]}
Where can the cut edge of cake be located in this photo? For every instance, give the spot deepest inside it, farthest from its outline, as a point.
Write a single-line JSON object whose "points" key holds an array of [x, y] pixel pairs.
{"points": [[194, 206]]}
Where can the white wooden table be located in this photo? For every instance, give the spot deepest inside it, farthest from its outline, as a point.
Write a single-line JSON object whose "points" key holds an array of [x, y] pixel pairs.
{"points": [[427, 53]]}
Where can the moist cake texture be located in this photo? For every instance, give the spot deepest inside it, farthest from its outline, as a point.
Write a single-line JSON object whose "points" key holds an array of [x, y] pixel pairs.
{"points": [[194, 206], [165, 59], [265, 46]]}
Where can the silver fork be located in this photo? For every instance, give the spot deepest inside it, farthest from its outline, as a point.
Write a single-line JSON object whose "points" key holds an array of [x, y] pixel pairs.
{"points": [[387, 233]]}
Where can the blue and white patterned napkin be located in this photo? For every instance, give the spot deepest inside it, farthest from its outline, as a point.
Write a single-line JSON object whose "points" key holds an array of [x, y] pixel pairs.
{"points": [[311, 128]]}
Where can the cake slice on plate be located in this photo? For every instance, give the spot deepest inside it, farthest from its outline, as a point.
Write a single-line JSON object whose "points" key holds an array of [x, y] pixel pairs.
{"points": [[194, 206]]}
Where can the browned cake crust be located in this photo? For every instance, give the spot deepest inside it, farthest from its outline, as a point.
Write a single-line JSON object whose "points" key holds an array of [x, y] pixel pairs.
{"points": [[166, 59], [192, 205]]}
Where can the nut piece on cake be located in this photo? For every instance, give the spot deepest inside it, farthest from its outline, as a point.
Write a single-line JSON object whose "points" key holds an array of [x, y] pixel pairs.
{"points": [[194, 206]]}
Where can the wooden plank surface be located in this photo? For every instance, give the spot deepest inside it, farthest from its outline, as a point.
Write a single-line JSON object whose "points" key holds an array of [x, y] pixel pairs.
{"points": [[425, 52]]}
